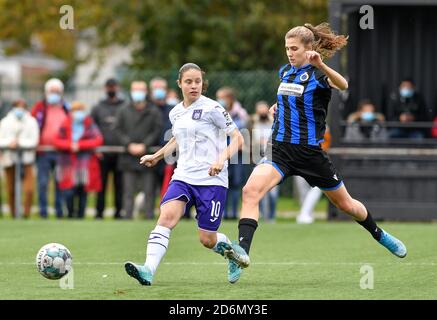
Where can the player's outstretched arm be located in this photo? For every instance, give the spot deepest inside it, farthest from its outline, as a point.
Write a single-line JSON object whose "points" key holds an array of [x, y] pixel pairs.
{"points": [[150, 160], [236, 144]]}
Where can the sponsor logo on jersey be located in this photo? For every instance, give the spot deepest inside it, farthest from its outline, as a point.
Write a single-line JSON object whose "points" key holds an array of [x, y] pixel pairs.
{"points": [[197, 114], [291, 89]]}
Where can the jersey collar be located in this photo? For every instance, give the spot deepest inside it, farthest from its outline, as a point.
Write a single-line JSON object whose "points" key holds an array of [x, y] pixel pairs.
{"points": [[304, 67]]}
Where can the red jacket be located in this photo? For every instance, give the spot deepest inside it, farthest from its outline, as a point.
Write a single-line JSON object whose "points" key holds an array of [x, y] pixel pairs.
{"points": [[81, 168], [39, 111]]}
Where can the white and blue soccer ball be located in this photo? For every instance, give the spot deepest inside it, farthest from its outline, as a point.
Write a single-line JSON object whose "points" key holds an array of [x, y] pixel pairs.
{"points": [[54, 261]]}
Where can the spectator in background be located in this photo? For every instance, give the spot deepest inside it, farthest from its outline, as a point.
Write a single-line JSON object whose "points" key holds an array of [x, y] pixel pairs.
{"points": [[261, 126], [407, 106], [226, 97], [19, 130], [172, 98], [434, 128], [103, 115], [78, 166], [159, 91], [5, 107], [310, 196], [139, 127], [50, 113], [365, 124]]}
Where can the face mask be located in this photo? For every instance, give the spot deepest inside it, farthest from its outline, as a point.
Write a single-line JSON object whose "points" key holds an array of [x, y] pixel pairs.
{"points": [[111, 94], [159, 94], [368, 116], [406, 92], [53, 98], [263, 117], [19, 113], [172, 101], [79, 116], [138, 95], [222, 102]]}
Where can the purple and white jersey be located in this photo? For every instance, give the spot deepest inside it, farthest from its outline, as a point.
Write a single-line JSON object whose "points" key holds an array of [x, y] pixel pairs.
{"points": [[201, 132]]}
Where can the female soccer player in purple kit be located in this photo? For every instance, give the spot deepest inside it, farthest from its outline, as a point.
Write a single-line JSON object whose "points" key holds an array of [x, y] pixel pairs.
{"points": [[200, 129]]}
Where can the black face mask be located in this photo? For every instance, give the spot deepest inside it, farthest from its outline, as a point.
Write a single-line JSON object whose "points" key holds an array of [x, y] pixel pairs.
{"points": [[264, 117], [111, 94]]}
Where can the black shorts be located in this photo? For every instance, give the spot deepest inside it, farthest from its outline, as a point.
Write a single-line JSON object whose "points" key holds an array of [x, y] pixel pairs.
{"points": [[309, 162]]}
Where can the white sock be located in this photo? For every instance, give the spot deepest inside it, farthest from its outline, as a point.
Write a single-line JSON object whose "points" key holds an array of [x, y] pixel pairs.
{"points": [[157, 246], [310, 202], [220, 238]]}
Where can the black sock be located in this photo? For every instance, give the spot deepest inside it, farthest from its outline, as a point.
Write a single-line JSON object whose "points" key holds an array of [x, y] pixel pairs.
{"points": [[370, 225], [246, 229]]}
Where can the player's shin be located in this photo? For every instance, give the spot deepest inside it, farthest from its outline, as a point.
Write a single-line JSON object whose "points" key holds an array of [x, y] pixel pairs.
{"points": [[370, 225], [157, 246]]}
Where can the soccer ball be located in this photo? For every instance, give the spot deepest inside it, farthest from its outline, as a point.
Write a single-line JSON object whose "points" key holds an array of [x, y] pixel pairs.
{"points": [[53, 261]]}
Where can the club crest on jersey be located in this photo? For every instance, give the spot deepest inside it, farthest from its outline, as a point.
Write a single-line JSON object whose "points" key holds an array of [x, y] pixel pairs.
{"points": [[304, 76], [197, 114]]}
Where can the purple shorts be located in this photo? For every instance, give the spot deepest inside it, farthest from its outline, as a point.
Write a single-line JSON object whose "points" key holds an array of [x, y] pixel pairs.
{"points": [[209, 202]]}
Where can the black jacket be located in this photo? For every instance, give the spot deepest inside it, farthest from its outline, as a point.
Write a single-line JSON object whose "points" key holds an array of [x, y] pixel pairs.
{"points": [[133, 126], [104, 115]]}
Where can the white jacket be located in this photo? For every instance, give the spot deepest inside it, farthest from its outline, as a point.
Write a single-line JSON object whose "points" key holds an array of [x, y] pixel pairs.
{"points": [[25, 130]]}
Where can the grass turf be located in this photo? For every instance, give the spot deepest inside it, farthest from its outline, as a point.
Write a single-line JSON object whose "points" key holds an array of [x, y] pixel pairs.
{"points": [[289, 261]]}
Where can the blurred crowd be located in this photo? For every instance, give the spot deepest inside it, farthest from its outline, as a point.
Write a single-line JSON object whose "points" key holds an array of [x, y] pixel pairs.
{"points": [[80, 149], [406, 107]]}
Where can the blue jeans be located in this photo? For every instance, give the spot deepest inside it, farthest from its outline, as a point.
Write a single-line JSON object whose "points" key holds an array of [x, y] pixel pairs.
{"points": [[236, 180], [70, 195], [267, 204], [46, 163]]}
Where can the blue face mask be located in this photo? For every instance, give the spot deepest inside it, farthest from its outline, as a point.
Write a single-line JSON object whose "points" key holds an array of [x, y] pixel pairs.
{"points": [[406, 92], [159, 94], [222, 102], [19, 113], [79, 115], [172, 101], [368, 116], [138, 95], [54, 98]]}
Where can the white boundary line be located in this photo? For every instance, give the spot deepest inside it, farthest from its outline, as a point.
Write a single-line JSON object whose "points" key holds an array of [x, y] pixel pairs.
{"points": [[400, 263]]}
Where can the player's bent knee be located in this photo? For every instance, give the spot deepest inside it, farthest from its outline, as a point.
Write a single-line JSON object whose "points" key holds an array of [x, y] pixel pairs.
{"points": [[207, 242], [251, 193], [167, 220]]}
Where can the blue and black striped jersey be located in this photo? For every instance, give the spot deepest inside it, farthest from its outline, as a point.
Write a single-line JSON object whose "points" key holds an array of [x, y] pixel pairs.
{"points": [[302, 105]]}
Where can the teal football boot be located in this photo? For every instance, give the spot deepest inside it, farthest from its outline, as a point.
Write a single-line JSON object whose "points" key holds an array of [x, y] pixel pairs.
{"points": [[141, 273], [393, 244]]}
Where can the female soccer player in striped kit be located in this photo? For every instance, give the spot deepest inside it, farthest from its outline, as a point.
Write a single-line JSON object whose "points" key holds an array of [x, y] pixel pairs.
{"points": [[300, 113], [200, 128]]}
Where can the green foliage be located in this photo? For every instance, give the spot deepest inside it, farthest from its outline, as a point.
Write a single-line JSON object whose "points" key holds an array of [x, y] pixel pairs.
{"points": [[217, 34], [222, 35]]}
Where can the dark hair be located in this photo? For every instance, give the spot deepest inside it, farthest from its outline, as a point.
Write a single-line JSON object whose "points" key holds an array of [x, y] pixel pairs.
{"points": [[19, 103], [188, 66], [321, 37], [408, 79], [365, 102], [111, 82]]}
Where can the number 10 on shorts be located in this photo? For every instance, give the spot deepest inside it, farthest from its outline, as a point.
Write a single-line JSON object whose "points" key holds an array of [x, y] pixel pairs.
{"points": [[215, 211]]}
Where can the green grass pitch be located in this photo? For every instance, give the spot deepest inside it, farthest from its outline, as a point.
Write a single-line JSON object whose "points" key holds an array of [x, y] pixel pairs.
{"points": [[289, 261]]}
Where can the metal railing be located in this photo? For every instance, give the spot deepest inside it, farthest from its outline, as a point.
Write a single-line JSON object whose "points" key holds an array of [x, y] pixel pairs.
{"points": [[19, 161]]}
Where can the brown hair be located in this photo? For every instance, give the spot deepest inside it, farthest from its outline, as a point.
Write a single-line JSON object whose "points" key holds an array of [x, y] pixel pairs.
{"points": [[321, 38], [188, 66]]}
